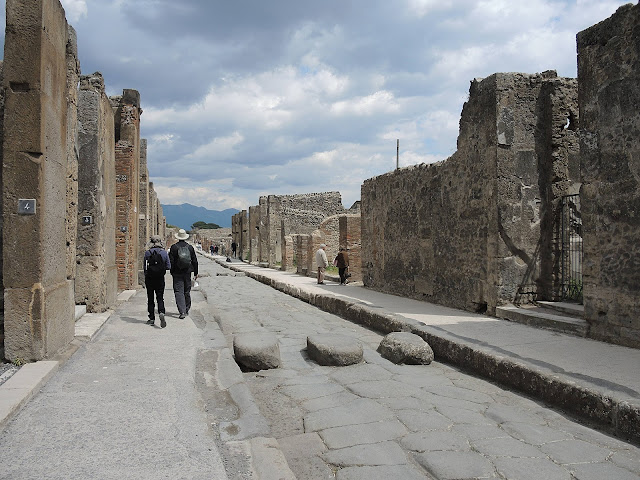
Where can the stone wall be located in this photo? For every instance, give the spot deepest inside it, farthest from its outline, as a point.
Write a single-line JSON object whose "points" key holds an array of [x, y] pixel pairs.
{"points": [[277, 216], [609, 86], [351, 239], [39, 307], [96, 281], [144, 214], [466, 232], [127, 134]]}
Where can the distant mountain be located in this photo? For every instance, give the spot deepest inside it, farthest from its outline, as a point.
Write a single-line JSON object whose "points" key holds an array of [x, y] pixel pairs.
{"points": [[185, 215]]}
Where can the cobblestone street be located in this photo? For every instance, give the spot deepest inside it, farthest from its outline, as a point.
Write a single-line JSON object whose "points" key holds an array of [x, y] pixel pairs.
{"points": [[378, 420]]}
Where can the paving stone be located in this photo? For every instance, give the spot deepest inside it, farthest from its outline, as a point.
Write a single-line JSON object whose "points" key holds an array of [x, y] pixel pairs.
{"points": [[532, 469], [456, 465], [506, 447], [507, 413], [256, 351], [334, 350], [434, 441], [303, 456], [306, 392], [628, 461], [360, 411], [330, 401], [407, 403], [385, 453], [575, 451], [384, 389], [450, 402], [460, 415], [423, 380], [462, 394], [399, 472], [534, 434], [342, 437], [405, 348], [416, 420], [360, 373], [601, 471], [307, 380], [479, 432]]}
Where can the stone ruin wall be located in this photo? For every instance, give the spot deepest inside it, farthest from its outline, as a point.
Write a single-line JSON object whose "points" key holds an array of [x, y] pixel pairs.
{"points": [[465, 232], [96, 282], [144, 227], [127, 128], [39, 307], [59, 149], [609, 86], [351, 239], [282, 215]]}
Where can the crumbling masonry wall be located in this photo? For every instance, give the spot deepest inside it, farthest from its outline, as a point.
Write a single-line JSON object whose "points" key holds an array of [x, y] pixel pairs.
{"points": [[282, 215], [467, 232], [144, 214], [39, 304], [96, 281], [609, 86], [127, 135]]}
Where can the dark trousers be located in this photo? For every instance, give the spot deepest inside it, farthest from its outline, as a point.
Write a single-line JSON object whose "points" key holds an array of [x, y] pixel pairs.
{"points": [[182, 291], [154, 285], [343, 274]]}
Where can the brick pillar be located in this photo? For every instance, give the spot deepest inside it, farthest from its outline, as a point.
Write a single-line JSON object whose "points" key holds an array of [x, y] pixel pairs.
{"points": [[96, 281], [39, 303], [127, 123], [144, 231]]}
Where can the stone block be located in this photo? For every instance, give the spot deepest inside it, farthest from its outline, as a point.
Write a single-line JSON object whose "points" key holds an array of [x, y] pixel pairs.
{"points": [[334, 350], [256, 351], [407, 348]]}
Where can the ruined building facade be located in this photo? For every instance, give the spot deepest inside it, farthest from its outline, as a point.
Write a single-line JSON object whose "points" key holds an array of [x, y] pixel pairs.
{"points": [[540, 201], [71, 208], [478, 229]]}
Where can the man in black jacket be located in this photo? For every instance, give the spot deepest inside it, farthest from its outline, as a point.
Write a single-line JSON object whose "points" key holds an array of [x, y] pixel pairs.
{"points": [[183, 261]]}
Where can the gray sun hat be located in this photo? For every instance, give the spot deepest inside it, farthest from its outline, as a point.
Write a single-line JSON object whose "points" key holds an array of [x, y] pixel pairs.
{"points": [[181, 235]]}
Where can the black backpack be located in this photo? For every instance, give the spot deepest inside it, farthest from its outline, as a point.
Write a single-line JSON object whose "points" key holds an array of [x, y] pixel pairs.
{"points": [[155, 264], [183, 260]]}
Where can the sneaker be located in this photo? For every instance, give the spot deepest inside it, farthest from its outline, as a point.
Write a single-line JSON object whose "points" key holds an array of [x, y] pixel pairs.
{"points": [[162, 322], [151, 321], [182, 315]]}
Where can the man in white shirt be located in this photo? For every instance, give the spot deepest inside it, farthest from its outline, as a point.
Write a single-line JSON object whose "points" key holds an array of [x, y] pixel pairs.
{"points": [[321, 261]]}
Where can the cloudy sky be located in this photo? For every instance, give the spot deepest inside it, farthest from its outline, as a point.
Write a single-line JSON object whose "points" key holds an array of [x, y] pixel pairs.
{"points": [[244, 98]]}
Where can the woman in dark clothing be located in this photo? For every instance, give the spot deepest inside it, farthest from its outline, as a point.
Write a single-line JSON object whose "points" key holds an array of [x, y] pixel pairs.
{"points": [[342, 262]]}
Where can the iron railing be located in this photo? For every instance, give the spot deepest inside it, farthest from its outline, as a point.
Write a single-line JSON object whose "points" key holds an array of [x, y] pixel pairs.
{"points": [[571, 258]]}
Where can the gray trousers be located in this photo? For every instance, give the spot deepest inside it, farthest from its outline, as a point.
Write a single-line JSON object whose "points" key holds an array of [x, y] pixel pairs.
{"points": [[182, 290]]}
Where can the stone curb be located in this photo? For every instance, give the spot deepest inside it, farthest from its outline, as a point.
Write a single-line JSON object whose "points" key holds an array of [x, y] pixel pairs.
{"points": [[18, 390], [615, 415]]}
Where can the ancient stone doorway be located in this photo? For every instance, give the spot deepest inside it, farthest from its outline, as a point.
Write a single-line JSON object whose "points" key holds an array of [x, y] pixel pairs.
{"points": [[571, 256]]}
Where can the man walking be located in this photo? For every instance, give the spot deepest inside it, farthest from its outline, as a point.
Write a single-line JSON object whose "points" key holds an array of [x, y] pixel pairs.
{"points": [[321, 261], [183, 261], [155, 265], [234, 247]]}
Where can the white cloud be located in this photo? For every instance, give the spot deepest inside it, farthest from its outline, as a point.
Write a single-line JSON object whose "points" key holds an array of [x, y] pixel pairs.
{"points": [[75, 9], [421, 8], [219, 147], [378, 102], [206, 197]]}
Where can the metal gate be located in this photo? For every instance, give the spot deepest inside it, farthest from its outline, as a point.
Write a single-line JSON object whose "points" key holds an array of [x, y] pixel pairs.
{"points": [[571, 248]]}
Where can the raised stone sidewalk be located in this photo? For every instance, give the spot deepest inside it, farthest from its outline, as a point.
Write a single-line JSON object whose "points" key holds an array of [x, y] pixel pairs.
{"points": [[593, 380]]}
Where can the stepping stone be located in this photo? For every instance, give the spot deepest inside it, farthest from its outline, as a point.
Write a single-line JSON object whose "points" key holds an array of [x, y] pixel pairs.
{"points": [[407, 348], [334, 350], [256, 351]]}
